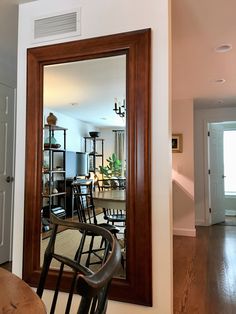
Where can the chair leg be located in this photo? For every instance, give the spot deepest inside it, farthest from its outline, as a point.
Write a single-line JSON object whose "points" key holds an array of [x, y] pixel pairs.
{"points": [[122, 262], [84, 305], [80, 249], [72, 287], [54, 301], [46, 265], [90, 251]]}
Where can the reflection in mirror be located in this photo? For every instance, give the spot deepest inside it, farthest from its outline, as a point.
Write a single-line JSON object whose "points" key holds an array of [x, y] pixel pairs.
{"points": [[84, 142]]}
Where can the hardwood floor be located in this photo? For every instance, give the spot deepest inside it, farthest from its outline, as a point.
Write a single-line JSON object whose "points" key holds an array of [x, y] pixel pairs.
{"points": [[205, 271]]}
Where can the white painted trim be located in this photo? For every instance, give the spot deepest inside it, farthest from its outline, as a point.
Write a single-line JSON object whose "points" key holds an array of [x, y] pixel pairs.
{"points": [[201, 119], [201, 222], [184, 232], [230, 212], [232, 195], [13, 175], [206, 162]]}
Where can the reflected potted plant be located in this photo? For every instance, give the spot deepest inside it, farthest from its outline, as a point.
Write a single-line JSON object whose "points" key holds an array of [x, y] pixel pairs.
{"points": [[113, 167]]}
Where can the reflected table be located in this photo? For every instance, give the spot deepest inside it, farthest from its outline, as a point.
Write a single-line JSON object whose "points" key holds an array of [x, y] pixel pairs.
{"points": [[18, 297], [110, 199]]}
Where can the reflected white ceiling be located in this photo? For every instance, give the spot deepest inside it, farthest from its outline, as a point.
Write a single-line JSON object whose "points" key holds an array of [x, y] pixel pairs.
{"points": [[85, 90]]}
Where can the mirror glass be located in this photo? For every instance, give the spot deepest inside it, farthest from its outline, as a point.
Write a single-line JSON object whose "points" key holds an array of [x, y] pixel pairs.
{"points": [[84, 138]]}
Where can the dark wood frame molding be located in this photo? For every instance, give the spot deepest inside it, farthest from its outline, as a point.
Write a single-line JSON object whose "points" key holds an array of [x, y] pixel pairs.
{"points": [[137, 287]]}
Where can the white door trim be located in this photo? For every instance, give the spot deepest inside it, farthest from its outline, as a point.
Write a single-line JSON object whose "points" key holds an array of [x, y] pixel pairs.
{"points": [[201, 119], [13, 174]]}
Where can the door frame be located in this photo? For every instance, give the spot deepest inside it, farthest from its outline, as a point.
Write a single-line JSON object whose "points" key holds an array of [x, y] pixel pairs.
{"points": [[202, 117], [13, 174], [212, 128]]}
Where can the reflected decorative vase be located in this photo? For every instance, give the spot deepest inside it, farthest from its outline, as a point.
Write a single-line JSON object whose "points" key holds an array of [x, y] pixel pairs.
{"points": [[51, 119]]}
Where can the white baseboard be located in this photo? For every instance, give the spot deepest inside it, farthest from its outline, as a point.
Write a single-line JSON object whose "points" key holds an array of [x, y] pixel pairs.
{"points": [[201, 223], [230, 212], [184, 232]]}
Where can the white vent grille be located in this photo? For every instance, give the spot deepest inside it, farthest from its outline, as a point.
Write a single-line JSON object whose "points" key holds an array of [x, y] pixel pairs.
{"points": [[57, 26]]}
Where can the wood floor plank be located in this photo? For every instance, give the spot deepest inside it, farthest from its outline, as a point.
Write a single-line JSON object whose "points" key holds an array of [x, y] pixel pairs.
{"points": [[205, 272]]}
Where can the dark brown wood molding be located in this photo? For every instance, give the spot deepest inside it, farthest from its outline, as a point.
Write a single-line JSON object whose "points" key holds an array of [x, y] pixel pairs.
{"points": [[137, 288]]}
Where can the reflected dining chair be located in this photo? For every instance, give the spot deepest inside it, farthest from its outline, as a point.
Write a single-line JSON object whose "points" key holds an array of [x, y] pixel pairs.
{"points": [[91, 285], [112, 215], [84, 205]]}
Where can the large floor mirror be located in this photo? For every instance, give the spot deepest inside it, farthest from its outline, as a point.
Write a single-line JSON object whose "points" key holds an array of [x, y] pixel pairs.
{"points": [[88, 109]]}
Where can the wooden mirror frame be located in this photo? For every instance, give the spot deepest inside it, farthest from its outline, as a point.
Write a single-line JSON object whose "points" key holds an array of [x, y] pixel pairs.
{"points": [[137, 287]]}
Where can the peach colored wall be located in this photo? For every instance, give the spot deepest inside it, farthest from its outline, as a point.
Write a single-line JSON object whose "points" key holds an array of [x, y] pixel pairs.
{"points": [[183, 170]]}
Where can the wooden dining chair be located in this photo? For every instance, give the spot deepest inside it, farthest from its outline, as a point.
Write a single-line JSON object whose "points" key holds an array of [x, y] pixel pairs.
{"points": [[84, 205], [111, 184], [91, 285]]}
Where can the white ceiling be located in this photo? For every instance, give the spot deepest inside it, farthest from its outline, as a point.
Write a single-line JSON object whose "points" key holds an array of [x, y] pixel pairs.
{"points": [[198, 27]]}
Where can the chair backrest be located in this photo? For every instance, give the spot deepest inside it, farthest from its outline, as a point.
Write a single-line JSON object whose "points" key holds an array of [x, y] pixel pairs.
{"points": [[92, 286], [83, 201], [111, 184]]}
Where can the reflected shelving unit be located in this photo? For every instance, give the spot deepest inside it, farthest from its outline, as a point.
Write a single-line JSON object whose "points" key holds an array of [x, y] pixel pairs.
{"points": [[94, 146], [53, 170]]}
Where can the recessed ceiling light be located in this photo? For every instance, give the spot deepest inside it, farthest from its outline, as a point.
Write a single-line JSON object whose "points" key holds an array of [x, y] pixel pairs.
{"points": [[219, 81], [223, 48]]}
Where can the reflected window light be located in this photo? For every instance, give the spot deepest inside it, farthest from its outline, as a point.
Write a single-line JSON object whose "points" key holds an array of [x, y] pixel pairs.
{"points": [[230, 162]]}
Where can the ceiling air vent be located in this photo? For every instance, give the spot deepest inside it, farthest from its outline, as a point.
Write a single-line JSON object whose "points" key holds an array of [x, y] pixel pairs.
{"points": [[57, 26]]}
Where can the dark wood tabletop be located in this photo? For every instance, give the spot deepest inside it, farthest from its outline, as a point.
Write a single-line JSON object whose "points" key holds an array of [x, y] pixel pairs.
{"points": [[110, 199], [17, 297], [110, 195]]}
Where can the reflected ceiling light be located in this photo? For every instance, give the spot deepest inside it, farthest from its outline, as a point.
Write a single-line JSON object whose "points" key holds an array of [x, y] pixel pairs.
{"points": [[120, 107], [223, 48]]}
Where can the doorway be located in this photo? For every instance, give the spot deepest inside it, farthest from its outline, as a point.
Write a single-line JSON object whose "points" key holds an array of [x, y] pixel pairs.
{"points": [[202, 118]]}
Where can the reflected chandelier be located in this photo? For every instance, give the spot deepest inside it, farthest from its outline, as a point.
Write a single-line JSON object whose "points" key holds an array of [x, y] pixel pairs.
{"points": [[120, 109]]}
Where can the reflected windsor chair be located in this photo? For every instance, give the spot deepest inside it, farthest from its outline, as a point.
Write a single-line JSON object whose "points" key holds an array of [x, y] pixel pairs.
{"points": [[84, 205]]}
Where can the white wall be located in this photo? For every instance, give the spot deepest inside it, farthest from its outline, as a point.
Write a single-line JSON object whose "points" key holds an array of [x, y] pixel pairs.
{"points": [[101, 18], [8, 51], [109, 142], [201, 118], [183, 170], [76, 130]]}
